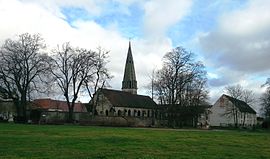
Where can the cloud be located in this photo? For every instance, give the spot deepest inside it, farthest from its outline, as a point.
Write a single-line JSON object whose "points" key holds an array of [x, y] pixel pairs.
{"points": [[160, 15], [18, 17], [92, 7], [237, 50], [242, 39]]}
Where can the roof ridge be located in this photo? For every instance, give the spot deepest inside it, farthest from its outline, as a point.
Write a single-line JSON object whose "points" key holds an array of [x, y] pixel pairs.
{"points": [[124, 92]]}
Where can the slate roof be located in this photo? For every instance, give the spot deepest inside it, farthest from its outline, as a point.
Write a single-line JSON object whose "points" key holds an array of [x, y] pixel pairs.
{"points": [[125, 99], [241, 105]]}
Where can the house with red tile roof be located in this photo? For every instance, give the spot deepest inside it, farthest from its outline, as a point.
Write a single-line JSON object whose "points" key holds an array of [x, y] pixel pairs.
{"points": [[57, 105]]}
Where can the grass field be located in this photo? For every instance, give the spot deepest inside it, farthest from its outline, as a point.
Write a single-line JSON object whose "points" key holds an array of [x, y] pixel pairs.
{"points": [[36, 141]]}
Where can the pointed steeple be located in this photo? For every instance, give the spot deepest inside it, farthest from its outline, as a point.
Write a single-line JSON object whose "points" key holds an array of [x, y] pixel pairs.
{"points": [[129, 83]]}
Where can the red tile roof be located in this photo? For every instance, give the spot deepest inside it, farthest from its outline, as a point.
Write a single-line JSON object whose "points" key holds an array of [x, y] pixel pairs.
{"points": [[57, 105]]}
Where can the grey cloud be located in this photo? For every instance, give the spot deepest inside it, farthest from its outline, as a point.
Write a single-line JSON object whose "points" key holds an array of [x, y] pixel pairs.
{"points": [[216, 82], [243, 53]]}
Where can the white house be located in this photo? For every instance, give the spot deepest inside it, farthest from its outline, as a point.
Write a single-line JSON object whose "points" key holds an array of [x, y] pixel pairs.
{"points": [[228, 111]]}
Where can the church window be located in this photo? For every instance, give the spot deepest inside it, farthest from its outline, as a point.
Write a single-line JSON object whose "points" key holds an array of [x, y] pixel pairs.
{"points": [[129, 113], [139, 113], [107, 113], [134, 112], [119, 113], [125, 112], [148, 113]]}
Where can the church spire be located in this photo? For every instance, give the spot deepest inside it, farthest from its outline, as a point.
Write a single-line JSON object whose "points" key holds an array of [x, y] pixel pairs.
{"points": [[129, 83]]}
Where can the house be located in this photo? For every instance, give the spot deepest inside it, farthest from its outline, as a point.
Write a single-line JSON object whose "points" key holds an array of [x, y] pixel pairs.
{"points": [[53, 111], [229, 111], [48, 104]]}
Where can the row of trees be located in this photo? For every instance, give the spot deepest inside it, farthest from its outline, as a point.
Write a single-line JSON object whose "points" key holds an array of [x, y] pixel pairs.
{"points": [[181, 85], [27, 70]]}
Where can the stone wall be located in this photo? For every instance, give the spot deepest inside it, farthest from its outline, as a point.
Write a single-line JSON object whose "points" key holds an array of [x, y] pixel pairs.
{"points": [[7, 110], [49, 117]]}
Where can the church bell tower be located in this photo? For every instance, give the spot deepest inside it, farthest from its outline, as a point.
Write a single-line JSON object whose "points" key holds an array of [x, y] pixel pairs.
{"points": [[129, 83]]}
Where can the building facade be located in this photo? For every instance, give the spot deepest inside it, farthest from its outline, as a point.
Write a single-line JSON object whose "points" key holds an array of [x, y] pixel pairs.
{"points": [[228, 111]]}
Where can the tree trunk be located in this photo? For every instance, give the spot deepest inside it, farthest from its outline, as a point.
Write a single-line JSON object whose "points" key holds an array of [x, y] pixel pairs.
{"points": [[70, 114]]}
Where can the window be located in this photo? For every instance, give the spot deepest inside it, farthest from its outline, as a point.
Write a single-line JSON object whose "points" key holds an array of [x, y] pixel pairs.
{"points": [[139, 113], [119, 113]]}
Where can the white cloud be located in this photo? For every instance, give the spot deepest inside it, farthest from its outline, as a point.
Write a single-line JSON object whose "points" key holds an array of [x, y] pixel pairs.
{"points": [[160, 15], [252, 20], [238, 49], [242, 40], [18, 17]]}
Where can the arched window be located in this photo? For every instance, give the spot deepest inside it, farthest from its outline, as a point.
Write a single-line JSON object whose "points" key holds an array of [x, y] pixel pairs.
{"points": [[119, 113], [129, 112], [134, 112], [139, 113], [125, 112], [107, 113]]}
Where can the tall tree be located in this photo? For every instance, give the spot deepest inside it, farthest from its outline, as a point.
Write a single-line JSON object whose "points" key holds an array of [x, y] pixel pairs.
{"points": [[74, 68], [265, 103], [265, 100], [22, 65], [100, 76], [180, 82]]}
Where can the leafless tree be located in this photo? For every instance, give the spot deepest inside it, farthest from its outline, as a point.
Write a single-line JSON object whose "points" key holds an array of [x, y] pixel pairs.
{"points": [[78, 69], [265, 103], [238, 92], [99, 77], [22, 65], [181, 81], [71, 67], [265, 100]]}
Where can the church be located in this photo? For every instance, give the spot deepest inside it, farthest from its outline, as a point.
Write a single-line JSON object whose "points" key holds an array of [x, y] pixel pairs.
{"points": [[125, 103]]}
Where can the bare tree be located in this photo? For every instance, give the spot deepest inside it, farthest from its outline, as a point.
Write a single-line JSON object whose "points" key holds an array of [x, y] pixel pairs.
{"points": [[71, 67], [99, 77], [265, 103], [235, 91], [22, 65], [180, 82], [238, 92], [265, 100]]}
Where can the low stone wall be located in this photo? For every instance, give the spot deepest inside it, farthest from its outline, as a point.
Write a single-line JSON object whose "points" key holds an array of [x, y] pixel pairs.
{"points": [[50, 117]]}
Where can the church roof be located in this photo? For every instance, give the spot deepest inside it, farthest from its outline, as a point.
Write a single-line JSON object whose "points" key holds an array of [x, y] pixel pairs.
{"points": [[241, 105], [125, 99]]}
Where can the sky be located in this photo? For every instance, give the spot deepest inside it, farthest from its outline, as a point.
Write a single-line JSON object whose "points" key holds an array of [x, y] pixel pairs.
{"points": [[231, 37]]}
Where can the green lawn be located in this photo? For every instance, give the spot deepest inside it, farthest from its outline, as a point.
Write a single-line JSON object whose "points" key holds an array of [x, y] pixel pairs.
{"points": [[45, 141]]}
